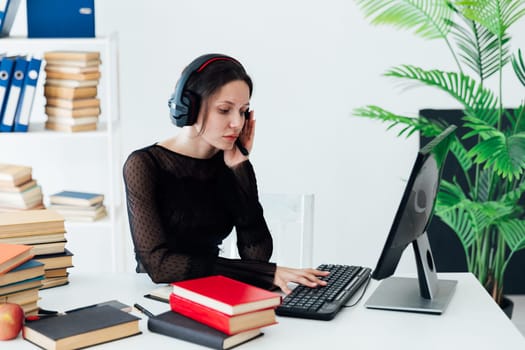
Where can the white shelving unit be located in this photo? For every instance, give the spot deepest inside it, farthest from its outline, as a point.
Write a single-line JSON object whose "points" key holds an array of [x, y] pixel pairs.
{"points": [[83, 161]]}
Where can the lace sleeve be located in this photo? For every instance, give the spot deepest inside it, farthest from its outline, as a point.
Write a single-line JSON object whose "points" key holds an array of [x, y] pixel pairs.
{"points": [[254, 240], [149, 239]]}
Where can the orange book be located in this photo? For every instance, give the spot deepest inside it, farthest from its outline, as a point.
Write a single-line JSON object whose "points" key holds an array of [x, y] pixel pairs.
{"points": [[226, 295], [225, 323], [12, 255]]}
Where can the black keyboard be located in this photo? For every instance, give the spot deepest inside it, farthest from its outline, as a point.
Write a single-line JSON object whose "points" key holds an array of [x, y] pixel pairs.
{"points": [[323, 303]]}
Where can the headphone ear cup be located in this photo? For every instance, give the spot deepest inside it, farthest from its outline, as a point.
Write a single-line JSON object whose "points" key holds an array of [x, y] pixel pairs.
{"points": [[193, 103], [186, 111]]}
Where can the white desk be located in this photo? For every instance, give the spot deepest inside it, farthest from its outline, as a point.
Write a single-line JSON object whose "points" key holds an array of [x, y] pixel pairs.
{"points": [[471, 321]]}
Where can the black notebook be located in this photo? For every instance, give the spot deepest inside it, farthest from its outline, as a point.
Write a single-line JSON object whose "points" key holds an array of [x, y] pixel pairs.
{"points": [[178, 326]]}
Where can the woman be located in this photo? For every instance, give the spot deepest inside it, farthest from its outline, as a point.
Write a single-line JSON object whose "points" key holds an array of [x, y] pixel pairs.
{"points": [[187, 193]]}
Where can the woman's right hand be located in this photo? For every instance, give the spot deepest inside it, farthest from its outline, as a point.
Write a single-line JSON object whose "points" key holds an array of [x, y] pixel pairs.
{"points": [[307, 277]]}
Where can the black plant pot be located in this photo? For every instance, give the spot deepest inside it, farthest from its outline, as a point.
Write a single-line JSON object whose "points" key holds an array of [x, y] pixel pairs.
{"points": [[507, 305]]}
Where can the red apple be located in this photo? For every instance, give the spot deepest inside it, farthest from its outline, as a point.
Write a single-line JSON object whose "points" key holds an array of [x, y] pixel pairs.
{"points": [[11, 320]]}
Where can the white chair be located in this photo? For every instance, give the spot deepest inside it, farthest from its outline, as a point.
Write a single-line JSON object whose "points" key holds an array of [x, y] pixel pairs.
{"points": [[290, 220]]}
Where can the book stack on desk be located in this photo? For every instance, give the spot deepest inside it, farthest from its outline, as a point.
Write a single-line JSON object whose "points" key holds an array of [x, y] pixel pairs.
{"points": [[70, 89], [82, 328], [18, 189], [79, 206], [216, 311], [44, 231], [20, 277]]}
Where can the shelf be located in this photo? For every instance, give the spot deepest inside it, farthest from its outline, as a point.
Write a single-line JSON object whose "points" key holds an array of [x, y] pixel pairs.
{"points": [[37, 129]]}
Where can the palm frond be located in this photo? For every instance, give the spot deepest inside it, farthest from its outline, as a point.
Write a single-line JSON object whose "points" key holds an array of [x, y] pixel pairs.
{"points": [[519, 67], [484, 186], [514, 195], [479, 47], [516, 119], [460, 152], [426, 17], [495, 15], [473, 96], [461, 221], [513, 232], [505, 155], [425, 126]]}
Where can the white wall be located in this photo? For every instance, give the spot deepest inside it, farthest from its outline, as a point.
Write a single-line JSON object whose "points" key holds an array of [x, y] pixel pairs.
{"points": [[312, 63]]}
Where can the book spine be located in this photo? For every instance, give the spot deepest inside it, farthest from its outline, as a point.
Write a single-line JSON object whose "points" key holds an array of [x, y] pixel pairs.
{"points": [[175, 331], [201, 313]]}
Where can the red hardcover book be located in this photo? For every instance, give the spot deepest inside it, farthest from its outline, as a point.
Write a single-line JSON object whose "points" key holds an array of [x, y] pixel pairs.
{"points": [[220, 321], [12, 255], [226, 295]]}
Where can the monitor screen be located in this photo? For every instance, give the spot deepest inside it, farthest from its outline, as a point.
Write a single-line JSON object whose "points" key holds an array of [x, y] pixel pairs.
{"points": [[409, 228]]}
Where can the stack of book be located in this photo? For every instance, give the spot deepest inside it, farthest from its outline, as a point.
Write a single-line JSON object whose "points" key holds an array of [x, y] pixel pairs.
{"points": [[216, 311], [78, 206], [20, 277], [44, 231], [70, 89], [18, 189]]}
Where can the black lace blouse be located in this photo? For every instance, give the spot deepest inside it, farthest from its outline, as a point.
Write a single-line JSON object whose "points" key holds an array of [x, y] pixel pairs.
{"points": [[181, 208]]}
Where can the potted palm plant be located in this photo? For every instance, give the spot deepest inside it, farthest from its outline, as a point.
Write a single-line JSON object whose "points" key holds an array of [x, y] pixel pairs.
{"points": [[485, 210]]}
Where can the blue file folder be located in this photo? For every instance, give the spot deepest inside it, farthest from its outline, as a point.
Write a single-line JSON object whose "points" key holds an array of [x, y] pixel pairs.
{"points": [[6, 71], [60, 19], [27, 95], [13, 96], [8, 10]]}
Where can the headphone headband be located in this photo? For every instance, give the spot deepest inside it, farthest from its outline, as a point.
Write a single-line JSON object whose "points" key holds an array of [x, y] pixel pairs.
{"points": [[184, 104]]}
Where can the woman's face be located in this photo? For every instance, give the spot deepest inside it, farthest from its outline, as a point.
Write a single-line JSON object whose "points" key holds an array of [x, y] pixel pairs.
{"points": [[225, 117]]}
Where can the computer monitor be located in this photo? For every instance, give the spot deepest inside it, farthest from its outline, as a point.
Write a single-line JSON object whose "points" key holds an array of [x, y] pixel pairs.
{"points": [[425, 294]]}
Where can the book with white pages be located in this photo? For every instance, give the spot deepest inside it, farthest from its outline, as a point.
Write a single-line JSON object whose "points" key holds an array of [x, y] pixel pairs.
{"points": [[35, 239], [68, 112], [71, 83], [72, 120], [71, 69]]}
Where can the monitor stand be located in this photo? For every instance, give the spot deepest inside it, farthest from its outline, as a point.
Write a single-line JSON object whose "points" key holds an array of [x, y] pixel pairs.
{"points": [[425, 294]]}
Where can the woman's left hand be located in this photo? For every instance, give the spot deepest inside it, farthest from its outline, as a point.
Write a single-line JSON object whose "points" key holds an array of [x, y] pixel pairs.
{"points": [[234, 156]]}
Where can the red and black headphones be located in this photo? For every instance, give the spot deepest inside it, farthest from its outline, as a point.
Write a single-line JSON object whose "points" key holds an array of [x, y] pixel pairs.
{"points": [[185, 104]]}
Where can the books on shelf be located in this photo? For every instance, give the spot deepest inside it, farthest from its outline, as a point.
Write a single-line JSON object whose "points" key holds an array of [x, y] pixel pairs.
{"points": [[27, 199], [79, 206], [77, 198], [12, 175], [69, 93], [82, 328], [73, 104], [71, 90], [18, 189], [12, 255], [181, 327], [69, 128], [225, 294], [220, 321], [61, 56]]}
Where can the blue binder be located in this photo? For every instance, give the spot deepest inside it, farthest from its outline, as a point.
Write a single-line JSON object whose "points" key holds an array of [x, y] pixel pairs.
{"points": [[6, 71], [60, 19], [27, 95], [8, 9], [17, 81]]}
